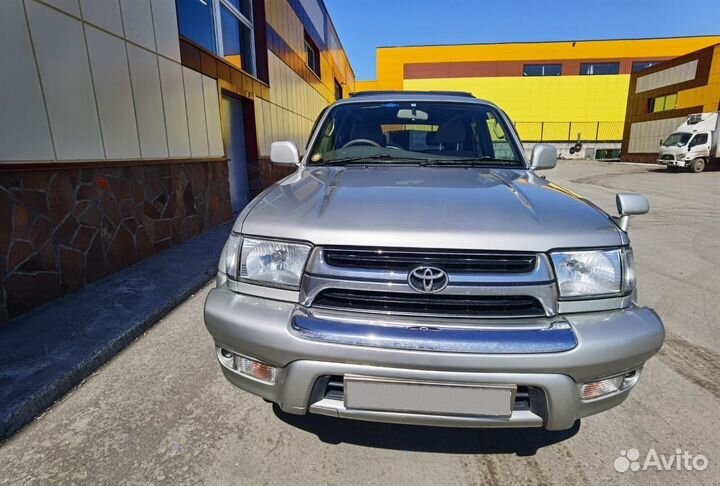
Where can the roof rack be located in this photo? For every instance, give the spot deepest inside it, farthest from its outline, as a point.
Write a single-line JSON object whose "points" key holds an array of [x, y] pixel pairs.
{"points": [[382, 92]]}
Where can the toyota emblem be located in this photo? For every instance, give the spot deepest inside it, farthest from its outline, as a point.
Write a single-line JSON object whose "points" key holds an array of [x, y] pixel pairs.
{"points": [[428, 279]]}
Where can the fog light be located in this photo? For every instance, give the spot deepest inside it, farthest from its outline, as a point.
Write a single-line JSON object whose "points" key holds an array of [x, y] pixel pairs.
{"points": [[597, 389], [226, 358], [606, 386], [256, 369]]}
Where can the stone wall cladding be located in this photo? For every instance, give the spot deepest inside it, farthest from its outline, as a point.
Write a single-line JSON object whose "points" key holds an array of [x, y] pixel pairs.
{"points": [[62, 229]]}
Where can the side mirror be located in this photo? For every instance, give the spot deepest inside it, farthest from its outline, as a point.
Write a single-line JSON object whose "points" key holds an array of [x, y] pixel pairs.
{"points": [[284, 153], [629, 204], [544, 156]]}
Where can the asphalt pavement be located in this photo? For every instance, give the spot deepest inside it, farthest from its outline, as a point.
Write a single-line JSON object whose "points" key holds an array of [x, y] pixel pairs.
{"points": [[161, 411]]}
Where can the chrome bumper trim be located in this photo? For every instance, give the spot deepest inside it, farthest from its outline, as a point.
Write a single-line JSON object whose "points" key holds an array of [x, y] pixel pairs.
{"points": [[557, 338], [336, 408]]}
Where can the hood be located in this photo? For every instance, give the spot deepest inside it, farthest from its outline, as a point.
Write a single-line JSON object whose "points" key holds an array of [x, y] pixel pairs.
{"points": [[673, 150], [427, 207]]}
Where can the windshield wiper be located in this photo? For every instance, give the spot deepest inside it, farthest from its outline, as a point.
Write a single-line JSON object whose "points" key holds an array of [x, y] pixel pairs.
{"points": [[483, 161], [370, 159]]}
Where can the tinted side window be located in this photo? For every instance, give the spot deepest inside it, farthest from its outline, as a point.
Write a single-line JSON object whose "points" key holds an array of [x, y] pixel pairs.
{"points": [[700, 139]]}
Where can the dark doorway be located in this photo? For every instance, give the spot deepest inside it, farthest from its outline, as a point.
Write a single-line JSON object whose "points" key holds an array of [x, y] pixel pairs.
{"points": [[234, 136]]}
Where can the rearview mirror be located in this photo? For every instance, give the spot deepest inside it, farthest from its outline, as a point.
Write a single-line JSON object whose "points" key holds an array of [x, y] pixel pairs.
{"points": [[284, 153], [629, 204], [544, 156]]}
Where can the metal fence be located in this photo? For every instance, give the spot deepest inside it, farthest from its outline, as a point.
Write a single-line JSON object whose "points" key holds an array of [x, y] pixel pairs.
{"points": [[597, 131]]}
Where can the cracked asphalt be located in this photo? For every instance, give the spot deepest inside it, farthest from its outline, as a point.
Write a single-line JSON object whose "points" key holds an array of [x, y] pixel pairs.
{"points": [[161, 412]]}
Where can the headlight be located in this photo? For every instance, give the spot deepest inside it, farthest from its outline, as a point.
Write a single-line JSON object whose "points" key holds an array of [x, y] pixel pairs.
{"points": [[591, 273], [232, 252], [266, 262]]}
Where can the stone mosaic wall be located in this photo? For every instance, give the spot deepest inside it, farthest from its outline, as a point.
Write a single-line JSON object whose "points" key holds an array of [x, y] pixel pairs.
{"points": [[63, 229]]}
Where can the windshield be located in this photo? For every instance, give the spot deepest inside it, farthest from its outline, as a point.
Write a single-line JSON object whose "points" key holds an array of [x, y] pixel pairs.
{"points": [[437, 133], [677, 138]]}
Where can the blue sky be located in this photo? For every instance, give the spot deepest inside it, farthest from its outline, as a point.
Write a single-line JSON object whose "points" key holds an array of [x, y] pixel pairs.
{"points": [[364, 25]]}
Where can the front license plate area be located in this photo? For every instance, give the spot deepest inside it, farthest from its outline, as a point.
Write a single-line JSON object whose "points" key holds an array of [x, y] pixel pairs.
{"points": [[424, 397]]}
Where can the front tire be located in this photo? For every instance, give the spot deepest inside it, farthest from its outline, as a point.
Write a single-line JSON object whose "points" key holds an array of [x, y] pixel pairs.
{"points": [[697, 165]]}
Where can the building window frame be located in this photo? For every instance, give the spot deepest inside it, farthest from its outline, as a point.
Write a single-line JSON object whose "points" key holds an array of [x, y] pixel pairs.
{"points": [[661, 103], [247, 22], [543, 67], [338, 89], [588, 68], [312, 62], [645, 65]]}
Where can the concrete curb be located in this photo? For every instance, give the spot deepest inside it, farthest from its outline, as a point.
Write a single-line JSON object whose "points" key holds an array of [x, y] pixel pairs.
{"points": [[45, 353]]}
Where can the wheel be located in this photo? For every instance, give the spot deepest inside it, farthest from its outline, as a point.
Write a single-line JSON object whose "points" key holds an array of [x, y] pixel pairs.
{"points": [[697, 165], [572, 150]]}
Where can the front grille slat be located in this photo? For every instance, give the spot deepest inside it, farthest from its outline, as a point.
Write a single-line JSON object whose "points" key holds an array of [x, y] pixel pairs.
{"points": [[451, 261], [431, 304]]}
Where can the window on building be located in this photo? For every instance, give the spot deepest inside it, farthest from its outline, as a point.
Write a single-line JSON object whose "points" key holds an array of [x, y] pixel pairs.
{"points": [[312, 55], [542, 70], [338, 90], [243, 6], [662, 103], [640, 65], [237, 37], [221, 26], [598, 68], [196, 22]]}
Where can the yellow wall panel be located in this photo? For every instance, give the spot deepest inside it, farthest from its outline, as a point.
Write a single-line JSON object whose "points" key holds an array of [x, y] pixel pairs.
{"points": [[391, 60], [531, 99]]}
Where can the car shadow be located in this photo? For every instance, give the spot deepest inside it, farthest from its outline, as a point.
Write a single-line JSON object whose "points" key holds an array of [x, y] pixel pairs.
{"points": [[417, 438]]}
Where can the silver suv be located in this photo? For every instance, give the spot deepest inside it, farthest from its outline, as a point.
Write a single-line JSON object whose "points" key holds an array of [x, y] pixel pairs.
{"points": [[416, 269]]}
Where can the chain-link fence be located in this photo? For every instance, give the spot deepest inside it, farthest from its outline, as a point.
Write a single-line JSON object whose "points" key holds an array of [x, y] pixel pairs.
{"points": [[598, 131]]}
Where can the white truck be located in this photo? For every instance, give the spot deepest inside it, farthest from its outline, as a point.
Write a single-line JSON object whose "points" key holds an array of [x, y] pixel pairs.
{"points": [[694, 144]]}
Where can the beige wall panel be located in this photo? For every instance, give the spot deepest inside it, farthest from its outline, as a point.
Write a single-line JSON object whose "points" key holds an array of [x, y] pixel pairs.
{"points": [[113, 92], [666, 77], [68, 6], [195, 112], [104, 14], [176, 120], [212, 117], [148, 102], [645, 136], [65, 74], [138, 22], [24, 130], [166, 28]]}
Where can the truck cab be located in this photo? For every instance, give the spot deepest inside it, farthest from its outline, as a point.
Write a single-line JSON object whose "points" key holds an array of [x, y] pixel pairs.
{"points": [[693, 145]]}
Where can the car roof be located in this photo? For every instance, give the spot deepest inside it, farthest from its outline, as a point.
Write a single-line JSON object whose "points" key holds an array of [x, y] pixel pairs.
{"points": [[385, 96]]}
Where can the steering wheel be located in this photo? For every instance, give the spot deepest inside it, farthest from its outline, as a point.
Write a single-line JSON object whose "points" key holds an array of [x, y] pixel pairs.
{"points": [[364, 141]]}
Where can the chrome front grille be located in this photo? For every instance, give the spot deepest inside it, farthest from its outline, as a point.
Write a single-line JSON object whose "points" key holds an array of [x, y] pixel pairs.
{"points": [[668, 157], [451, 261], [480, 284], [431, 304]]}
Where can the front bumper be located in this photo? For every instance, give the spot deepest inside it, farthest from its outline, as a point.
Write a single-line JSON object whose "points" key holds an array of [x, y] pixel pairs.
{"points": [[676, 163], [605, 344]]}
